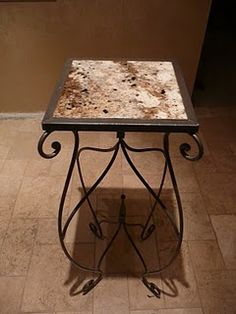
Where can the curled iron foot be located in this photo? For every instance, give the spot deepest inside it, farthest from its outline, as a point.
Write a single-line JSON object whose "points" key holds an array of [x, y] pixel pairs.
{"points": [[147, 232], [95, 230], [90, 285], [152, 287]]}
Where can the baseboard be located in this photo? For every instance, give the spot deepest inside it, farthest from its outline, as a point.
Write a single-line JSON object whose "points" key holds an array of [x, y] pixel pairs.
{"points": [[21, 115]]}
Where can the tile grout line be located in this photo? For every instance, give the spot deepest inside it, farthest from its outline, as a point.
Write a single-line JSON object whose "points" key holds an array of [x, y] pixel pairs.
{"points": [[13, 208], [195, 277], [225, 268], [26, 276], [209, 217]]}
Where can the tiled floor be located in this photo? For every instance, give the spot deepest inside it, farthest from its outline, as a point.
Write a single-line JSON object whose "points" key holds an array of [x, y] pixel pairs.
{"points": [[36, 277]]}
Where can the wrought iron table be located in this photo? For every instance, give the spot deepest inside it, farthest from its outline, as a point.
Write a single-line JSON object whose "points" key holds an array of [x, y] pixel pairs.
{"points": [[121, 96]]}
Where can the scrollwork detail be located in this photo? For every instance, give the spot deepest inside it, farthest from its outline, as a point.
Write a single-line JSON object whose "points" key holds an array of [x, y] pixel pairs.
{"points": [[56, 146], [185, 148]]}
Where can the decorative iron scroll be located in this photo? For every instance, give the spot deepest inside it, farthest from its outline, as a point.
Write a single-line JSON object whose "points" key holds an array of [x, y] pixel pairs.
{"points": [[185, 148], [55, 145]]}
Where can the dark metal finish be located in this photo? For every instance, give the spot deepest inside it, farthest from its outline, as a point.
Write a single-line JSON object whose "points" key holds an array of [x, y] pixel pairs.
{"points": [[185, 148], [167, 126], [190, 125], [146, 229]]}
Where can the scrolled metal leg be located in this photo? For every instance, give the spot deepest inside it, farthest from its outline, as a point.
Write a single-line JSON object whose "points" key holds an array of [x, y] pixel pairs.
{"points": [[147, 229], [94, 227], [61, 231], [184, 149], [148, 187], [92, 188]]}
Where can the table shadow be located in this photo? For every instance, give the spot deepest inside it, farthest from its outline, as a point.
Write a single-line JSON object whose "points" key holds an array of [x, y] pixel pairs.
{"points": [[121, 259]]}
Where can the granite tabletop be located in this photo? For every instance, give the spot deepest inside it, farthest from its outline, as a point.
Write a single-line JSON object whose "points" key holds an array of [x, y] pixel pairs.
{"points": [[120, 90]]}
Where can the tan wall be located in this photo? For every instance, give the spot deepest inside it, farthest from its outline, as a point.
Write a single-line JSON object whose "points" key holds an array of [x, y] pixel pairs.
{"points": [[37, 37]]}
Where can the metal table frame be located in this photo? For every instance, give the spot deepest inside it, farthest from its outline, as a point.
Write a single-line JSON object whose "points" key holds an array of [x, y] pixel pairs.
{"points": [[121, 126]]}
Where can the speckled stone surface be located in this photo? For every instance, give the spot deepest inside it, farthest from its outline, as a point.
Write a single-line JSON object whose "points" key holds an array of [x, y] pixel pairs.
{"points": [[127, 90]]}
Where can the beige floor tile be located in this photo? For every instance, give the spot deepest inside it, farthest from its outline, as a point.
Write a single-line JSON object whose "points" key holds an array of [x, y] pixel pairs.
{"points": [[170, 311], [225, 226], [148, 163], [217, 288], [9, 187], [212, 189], [197, 225], [144, 312], [31, 124], [226, 163], [59, 167], [39, 197], [4, 149], [216, 310], [140, 297], [8, 131], [141, 139], [205, 166], [178, 279], [51, 278], [17, 247], [220, 146], [121, 257], [90, 173], [132, 182], [181, 311], [106, 139], [38, 168], [5, 215], [52, 282], [9, 125], [80, 312], [47, 231], [79, 230], [111, 296], [24, 147], [11, 290], [108, 311], [94, 139], [185, 175], [1, 163], [14, 168], [112, 180], [206, 255], [11, 175], [229, 183]]}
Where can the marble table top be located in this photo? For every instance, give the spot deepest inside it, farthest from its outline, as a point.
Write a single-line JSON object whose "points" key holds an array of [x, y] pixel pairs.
{"points": [[121, 96], [121, 90]]}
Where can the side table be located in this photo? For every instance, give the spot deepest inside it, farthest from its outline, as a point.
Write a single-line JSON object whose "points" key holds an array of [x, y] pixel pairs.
{"points": [[121, 96]]}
